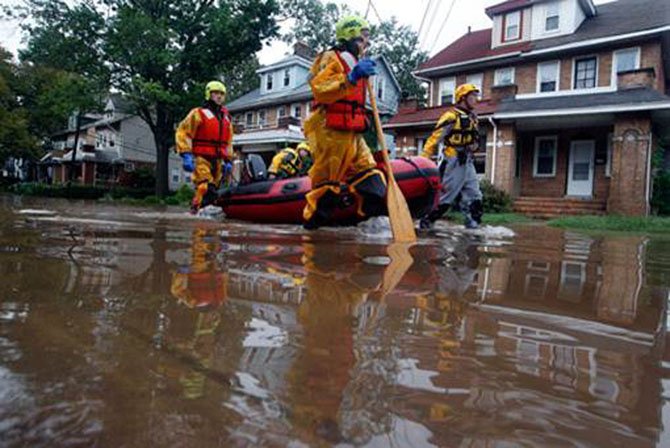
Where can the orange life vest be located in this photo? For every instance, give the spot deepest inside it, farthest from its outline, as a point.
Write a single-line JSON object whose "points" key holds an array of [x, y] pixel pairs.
{"points": [[207, 288], [348, 114], [213, 134]]}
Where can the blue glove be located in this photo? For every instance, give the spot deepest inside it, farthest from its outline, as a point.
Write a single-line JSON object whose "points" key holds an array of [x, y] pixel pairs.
{"points": [[365, 68], [188, 162]]}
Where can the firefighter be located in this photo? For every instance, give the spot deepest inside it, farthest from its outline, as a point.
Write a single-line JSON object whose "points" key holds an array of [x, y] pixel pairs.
{"points": [[457, 129], [291, 162], [204, 142], [344, 168]]}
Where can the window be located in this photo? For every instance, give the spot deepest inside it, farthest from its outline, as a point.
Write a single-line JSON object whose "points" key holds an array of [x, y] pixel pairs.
{"points": [[551, 20], [261, 117], [250, 118], [512, 26], [544, 160], [624, 60], [586, 70], [447, 87], [547, 76], [379, 84], [476, 79], [268, 83], [287, 77], [281, 111], [297, 111], [176, 175], [504, 76]]}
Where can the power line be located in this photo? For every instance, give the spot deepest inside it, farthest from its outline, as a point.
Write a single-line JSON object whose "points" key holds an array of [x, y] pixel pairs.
{"points": [[374, 9], [431, 21], [446, 19], [423, 19]]}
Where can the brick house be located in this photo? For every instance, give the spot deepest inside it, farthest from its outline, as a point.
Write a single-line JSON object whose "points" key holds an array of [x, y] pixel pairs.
{"points": [[111, 146], [574, 99], [271, 115]]}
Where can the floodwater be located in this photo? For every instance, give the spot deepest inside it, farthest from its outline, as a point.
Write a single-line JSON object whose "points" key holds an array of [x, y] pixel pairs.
{"points": [[127, 326]]}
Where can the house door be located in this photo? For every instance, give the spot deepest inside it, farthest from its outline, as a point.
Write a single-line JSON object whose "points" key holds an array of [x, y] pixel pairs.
{"points": [[580, 171]]}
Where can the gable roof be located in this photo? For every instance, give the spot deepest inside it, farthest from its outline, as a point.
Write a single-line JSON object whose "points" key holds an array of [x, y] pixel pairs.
{"points": [[616, 20], [511, 5]]}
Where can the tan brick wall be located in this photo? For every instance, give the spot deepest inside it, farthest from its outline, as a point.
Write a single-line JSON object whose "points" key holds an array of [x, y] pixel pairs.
{"points": [[505, 158], [566, 74], [628, 184], [651, 56], [525, 77], [605, 69]]}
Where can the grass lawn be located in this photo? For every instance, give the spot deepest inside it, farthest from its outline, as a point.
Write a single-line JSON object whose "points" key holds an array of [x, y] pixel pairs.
{"points": [[652, 224]]}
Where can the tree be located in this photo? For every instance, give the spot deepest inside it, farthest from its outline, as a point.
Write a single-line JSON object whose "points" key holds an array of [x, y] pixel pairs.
{"points": [[315, 25], [15, 137], [160, 54]]}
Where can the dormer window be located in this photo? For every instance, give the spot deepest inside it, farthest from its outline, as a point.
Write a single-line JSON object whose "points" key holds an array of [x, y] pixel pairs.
{"points": [[287, 77], [512, 26], [551, 20], [268, 82]]}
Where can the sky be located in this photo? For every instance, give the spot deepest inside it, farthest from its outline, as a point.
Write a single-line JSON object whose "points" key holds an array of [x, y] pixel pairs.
{"points": [[443, 22]]}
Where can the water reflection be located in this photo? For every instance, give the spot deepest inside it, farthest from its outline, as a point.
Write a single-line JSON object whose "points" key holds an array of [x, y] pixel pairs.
{"points": [[160, 331]]}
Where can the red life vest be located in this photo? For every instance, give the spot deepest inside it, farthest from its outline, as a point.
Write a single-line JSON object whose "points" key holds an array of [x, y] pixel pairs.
{"points": [[213, 134], [348, 114]]}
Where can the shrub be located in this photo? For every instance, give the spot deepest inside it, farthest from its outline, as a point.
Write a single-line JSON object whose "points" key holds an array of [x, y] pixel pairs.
{"points": [[495, 200]]}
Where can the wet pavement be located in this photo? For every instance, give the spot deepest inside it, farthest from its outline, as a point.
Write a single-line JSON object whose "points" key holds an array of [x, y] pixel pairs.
{"points": [[128, 326]]}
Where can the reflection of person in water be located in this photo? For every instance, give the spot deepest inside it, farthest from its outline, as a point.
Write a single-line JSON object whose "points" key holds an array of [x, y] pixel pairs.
{"points": [[202, 286], [338, 284]]}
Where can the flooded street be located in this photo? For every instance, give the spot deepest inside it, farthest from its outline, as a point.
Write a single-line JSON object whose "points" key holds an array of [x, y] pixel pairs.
{"points": [[129, 326]]}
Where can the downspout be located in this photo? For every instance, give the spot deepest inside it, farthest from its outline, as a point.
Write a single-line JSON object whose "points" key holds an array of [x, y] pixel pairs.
{"points": [[647, 186], [495, 148]]}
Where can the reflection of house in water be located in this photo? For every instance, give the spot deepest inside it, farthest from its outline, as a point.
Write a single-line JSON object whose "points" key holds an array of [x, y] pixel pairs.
{"points": [[547, 327], [274, 287]]}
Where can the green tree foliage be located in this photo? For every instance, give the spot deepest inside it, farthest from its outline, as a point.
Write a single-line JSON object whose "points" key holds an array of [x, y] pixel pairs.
{"points": [[15, 137], [160, 54], [314, 24]]}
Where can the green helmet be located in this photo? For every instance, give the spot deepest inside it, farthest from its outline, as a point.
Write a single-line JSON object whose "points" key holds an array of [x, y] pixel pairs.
{"points": [[214, 86], [350, 27]]}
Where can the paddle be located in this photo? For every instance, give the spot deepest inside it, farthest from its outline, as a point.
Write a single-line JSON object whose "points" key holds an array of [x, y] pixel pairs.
{"points": [[399, 215]]}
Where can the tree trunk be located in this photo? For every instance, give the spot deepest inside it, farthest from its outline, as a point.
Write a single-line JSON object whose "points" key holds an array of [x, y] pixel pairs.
{"points": [[162, 155], [74, 150]]}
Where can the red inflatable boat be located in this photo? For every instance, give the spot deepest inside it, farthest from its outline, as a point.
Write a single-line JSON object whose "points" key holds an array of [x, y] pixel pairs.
{"points": [[282, 201]]}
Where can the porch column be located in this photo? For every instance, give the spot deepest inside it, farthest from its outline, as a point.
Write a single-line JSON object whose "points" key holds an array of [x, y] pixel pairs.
{"points": [[502, 171], [630, 159]]}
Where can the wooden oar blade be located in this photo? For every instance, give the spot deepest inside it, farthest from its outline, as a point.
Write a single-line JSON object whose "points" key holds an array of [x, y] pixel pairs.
{"points": [[399, 214]]}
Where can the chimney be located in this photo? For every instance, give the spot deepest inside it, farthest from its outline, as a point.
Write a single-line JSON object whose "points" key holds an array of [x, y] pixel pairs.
{"points": [[469, 29], [303, 50], [635, 79]]}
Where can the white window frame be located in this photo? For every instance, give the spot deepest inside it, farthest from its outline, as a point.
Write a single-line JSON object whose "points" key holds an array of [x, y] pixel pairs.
{"points": [[547, 8], [506, 37], [536, 153], [573, 78], [479, 83], [539, 77], [269, 82], [262, 117], [247, 120], [638, 57], [281, 109], [176, 175], [293, 107], [451, 80], [287, 77], [380, 88], [610, 154], [497, 76]]}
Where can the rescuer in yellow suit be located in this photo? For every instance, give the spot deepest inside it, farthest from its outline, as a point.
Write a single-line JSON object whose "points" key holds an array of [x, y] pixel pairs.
{"points": [[343, 167], [458, 131], [291, 162], [204, 141]]}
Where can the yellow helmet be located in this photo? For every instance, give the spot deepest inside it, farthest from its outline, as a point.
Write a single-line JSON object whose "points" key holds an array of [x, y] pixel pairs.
{"points": [[214, 86], [463, 90], [350, 27], [305, 146]]}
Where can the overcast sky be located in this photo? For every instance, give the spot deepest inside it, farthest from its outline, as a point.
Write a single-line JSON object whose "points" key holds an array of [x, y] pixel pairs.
{"points": [[443, 24]]}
